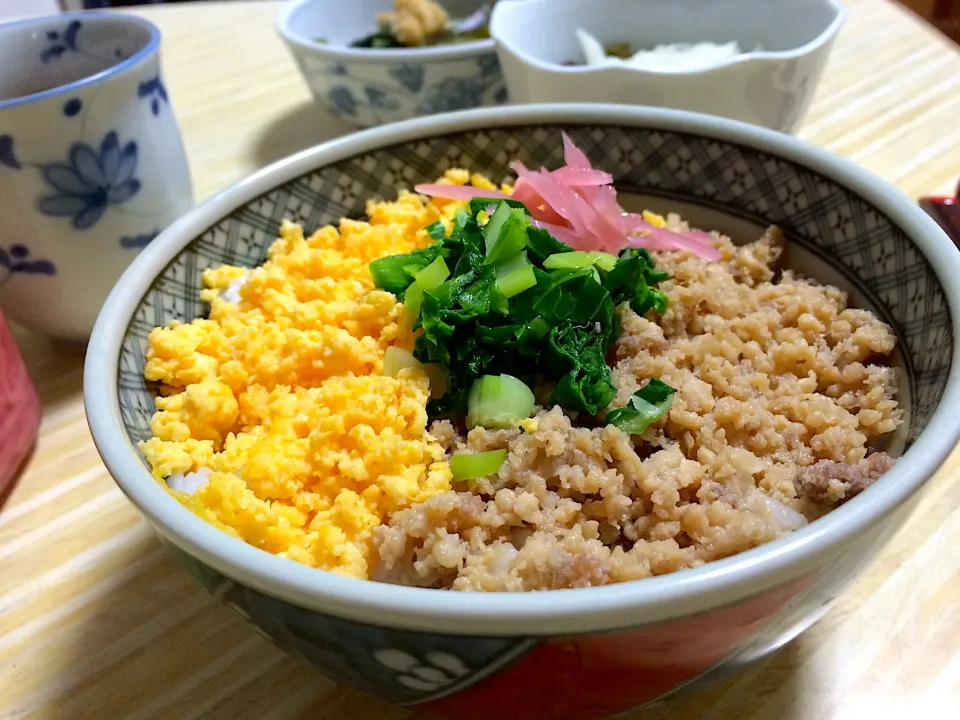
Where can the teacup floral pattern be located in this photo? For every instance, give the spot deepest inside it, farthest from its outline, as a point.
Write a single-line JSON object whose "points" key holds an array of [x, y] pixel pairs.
{"points": [[135, 242], [64, 42], [90, 181], [155, 90], [92, 177], [17, 260], [7, 155], [59, 43]]}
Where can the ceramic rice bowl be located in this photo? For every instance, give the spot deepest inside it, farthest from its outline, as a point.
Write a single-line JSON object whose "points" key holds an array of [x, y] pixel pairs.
{"points": [[581, 653], [370, 87]]}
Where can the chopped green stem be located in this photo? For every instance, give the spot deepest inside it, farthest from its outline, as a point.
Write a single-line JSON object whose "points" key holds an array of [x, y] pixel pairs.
{"points": [[498, 401], [515, 275], [396, 359], [579, 259], [471, 466], [413, 300], [506, 234], [432, 275], [491, 231], [428, 278]]}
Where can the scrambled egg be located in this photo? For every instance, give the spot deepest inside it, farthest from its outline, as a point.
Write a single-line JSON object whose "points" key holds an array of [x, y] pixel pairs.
{"points": [[278, 398]]}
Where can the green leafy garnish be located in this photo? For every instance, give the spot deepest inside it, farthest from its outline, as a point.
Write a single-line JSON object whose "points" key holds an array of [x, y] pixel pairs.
{"points": [[395, 273], [542, 245], [506, 308], [567, 296], [647, 405], [578, 355], [634, 279]]}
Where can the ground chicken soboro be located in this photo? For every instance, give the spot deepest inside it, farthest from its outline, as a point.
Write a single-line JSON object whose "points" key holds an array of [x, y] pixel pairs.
{"points": [[781, 390], [275, 424]]}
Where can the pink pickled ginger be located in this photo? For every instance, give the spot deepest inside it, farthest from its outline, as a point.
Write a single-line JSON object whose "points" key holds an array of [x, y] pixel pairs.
{"points": [[577, 204], [458, 192]]}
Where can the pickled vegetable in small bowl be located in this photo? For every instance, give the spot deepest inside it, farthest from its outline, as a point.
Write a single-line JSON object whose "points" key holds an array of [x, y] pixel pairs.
{"points": [[369, 62], [755, 61]]}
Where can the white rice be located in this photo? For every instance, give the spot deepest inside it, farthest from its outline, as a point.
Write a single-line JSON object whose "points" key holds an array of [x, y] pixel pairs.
{"points": [[191, 482], [678, 56], [232, 292], [783, 515]]}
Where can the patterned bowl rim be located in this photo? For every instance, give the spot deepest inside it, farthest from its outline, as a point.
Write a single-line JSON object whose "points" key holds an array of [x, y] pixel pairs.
{"points": [[437, 53], [559, 611]]}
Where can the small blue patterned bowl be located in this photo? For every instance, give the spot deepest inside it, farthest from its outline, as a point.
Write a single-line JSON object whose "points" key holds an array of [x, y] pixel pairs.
{"points": [[370, 87], [583, 653]]}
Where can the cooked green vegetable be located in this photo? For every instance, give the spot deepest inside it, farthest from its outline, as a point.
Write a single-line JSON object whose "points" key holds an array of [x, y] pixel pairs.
{"points": [[635, 280], [577, 354], [432, 275], [579, 259], [396, 359], [478, 204], [647, 405], [491, 231], [470, 466], [506, 234], [425, 279], [394, 273], [498, 401], [438, 379], [515, 275], [379, 40], [516, 314]]}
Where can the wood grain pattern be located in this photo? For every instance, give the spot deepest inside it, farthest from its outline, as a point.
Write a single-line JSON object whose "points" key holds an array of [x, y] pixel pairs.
{"points": [[97, 622]]}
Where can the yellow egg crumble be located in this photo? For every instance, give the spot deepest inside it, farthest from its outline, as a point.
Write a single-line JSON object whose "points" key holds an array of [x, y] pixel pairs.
{"points": [[280, 396]]}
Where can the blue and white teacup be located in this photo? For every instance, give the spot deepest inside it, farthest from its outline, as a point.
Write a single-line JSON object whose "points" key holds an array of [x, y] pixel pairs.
{"points": [[92, 166]]}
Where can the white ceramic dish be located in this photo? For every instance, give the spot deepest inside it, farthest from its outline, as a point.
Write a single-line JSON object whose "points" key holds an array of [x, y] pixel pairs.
{"points": [[771, 87], [370, 87]]}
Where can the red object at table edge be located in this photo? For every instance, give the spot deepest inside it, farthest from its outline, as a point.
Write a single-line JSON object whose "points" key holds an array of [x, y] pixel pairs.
{"points": [[946, 211], [596, 676], [20, 409]]}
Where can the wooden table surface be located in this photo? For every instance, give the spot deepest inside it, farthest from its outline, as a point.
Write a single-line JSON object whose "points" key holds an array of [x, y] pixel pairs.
{"points": [[97, 622]]}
